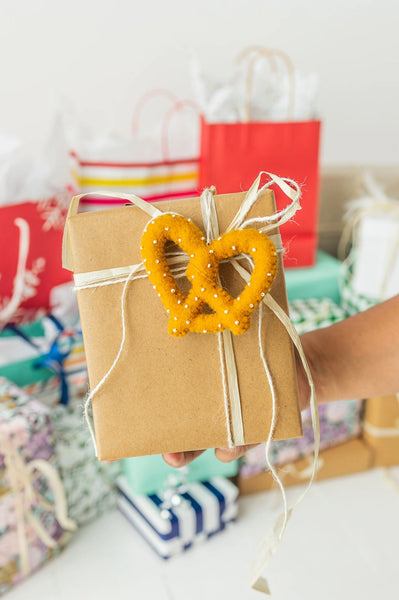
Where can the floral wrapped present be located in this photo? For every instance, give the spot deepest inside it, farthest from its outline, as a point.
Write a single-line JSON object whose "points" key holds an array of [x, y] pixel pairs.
{"points": [[173, 520], [88, 483], [33, 519], [339, 421], [351, 457]]}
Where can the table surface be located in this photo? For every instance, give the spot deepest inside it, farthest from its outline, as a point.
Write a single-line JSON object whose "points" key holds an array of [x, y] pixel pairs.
{"points": [[341, 543]]}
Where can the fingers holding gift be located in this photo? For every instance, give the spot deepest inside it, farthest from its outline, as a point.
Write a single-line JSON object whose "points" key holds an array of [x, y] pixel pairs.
{"points": [[229, 454], [181, 459]]}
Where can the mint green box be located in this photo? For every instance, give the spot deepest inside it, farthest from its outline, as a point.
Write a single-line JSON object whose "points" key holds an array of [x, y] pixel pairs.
{"points": [[148, 474], [320, 281], [26, 372]]}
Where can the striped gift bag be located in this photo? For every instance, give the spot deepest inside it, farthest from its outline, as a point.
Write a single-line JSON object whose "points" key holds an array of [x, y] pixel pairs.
{"points": [[141, 165]]}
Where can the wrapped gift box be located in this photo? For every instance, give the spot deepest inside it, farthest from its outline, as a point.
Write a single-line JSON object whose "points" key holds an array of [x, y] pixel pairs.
{"points": [[32, 520], [348, 458], [148, 474], [160, 379], [376, 256], [89, 484], [381, 429], [320, 281], [27, 423], [172, 523], [50, 366], [339, 422], [314, 313]]}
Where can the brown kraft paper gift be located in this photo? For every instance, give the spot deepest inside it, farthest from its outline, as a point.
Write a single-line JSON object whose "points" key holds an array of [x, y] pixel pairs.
{"points": [[381, 429], [346, 459], [165, 393]]}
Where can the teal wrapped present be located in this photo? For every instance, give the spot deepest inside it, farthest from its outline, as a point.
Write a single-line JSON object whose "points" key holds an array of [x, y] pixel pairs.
{"points": [[320, 281], [50, 364], [149, 474]]}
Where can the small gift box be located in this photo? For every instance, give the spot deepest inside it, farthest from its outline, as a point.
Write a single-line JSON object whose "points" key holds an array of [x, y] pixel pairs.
{"points": [[89, 484], [339, 422], [381, 429], [51, 367], [200, 390], [320, 281], [33, 521], [174, 520], [148, 474], [371, 270], [351, 457]]}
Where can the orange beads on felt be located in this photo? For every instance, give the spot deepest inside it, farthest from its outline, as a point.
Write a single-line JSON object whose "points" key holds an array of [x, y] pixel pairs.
{"points": [[186, 312]]}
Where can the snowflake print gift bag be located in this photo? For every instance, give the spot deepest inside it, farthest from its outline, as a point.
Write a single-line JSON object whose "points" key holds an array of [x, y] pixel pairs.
{"points": [[33, 202]]}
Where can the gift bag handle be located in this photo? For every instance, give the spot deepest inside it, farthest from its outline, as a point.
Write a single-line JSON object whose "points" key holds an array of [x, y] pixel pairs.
{"points": [[156, 93], [272, 55], [176, 108]]}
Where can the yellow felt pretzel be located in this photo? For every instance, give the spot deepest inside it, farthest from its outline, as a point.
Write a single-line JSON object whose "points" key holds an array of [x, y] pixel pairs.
{"points": [[186, 312]]}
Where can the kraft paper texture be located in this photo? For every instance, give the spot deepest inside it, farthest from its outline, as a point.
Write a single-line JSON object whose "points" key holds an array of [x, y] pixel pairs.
{"points": [[165, 394]]}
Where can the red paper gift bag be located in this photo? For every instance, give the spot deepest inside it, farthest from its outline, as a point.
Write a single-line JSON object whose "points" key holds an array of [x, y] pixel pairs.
{"points": [[30, 257], [232, 154]]}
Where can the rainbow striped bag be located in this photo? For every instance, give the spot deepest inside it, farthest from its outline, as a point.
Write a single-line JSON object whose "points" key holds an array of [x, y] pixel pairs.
{"points": [[143, 165]]}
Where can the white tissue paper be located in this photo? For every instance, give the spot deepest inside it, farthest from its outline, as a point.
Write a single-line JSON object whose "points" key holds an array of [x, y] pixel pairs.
{"points": [[26, 178], [269, 97]]}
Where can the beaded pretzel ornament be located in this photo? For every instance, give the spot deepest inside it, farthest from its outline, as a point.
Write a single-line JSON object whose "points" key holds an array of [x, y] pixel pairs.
{"points": [[186, 312]]}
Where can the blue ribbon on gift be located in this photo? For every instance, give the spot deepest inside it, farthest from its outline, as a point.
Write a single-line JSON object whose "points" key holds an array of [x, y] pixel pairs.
{"points": [[55, 357]]}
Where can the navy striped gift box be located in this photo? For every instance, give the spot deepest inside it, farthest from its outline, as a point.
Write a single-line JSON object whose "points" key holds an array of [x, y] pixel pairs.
{"points": [[172, 522]]}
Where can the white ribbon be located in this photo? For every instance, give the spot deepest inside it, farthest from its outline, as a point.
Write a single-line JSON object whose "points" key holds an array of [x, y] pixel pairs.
{"points": [[21, 478], [19, 281]]}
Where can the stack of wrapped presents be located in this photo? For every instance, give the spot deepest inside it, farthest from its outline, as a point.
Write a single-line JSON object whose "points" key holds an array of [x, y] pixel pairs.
{"points": [[163, 284]]}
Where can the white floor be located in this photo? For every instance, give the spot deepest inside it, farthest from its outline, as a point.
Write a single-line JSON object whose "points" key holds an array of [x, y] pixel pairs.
{"points": [[342, 544]]}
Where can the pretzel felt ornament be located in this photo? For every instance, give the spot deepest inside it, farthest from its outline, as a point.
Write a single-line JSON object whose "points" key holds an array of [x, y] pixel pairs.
{"points": [[186, 312]]}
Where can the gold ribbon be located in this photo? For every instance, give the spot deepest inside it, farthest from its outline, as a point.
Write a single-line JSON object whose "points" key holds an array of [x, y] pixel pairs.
{"points": [[235, 436], [21, 476]]}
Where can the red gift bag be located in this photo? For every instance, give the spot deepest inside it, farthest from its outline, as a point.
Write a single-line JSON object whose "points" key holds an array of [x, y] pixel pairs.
{"points": [[232, 154], [30, 257]]}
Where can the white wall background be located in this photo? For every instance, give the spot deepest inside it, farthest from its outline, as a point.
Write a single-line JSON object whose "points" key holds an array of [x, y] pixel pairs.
{"points": [[104, 55]]}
